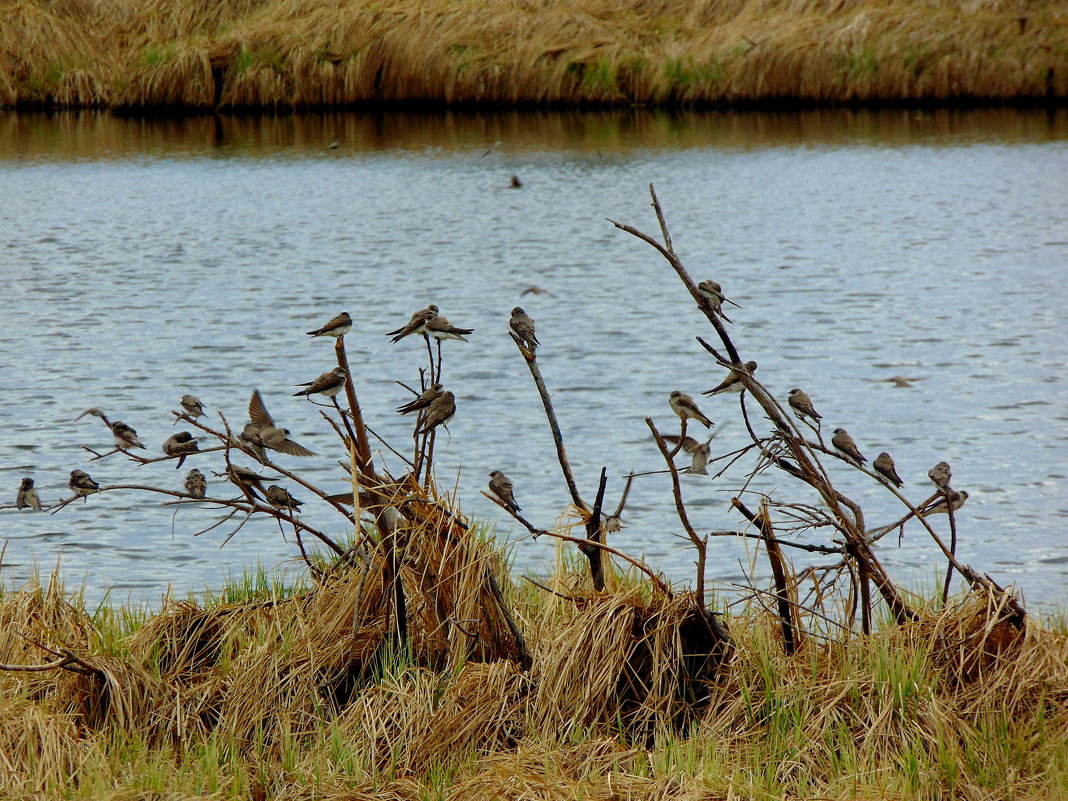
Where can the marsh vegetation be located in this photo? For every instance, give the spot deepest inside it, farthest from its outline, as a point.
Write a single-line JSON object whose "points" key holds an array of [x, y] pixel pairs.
{"points": [[279, 55]]}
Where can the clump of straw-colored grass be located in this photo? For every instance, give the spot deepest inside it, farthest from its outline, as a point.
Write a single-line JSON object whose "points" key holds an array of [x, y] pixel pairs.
{"points": [[38, 749], [621, 660], [270, 54], [301, 696]]}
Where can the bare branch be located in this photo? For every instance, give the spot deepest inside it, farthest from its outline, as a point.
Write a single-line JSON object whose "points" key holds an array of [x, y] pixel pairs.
{"points": [[700, 544], [554, 425]]}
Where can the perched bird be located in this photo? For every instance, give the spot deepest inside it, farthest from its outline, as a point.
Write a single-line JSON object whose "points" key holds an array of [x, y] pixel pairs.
{"points": [[845, 445], [327, 384], [192, 406], [428, 396], [801, 403], [712, 290], [441, 329], [82, 483], [523, 327], [940, 474], [713, 293], [515, 183], [416, 324], [267, 434], [195, 484], [501, 486], [683, 405], [125, 436], [939, 506], [279, 497], [700, 452], [733, 381], [181, 445], [439, 412], [884, 466], [27, 497], [247, 479], [337, 327]]}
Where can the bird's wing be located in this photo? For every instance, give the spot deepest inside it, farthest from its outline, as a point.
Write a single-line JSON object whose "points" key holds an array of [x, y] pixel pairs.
{"points": [[413, 323], [722, 385], [689, 444], [419, 403], [257, 412], [293, 448]]}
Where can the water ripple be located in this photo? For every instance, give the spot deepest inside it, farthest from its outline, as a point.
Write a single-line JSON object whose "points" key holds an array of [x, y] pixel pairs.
{"points": [[183, 271]]}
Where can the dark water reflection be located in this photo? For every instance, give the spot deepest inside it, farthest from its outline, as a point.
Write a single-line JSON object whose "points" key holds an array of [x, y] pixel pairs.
{"points": [[98, 135], [145, 259]]}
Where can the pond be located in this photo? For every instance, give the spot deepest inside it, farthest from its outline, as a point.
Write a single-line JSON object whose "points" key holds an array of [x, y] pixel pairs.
{"points": [[149, 258]]}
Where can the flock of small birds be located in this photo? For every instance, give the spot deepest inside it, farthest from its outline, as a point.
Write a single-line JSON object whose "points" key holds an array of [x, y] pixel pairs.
{"points": [[801, 404], [436, 406]]}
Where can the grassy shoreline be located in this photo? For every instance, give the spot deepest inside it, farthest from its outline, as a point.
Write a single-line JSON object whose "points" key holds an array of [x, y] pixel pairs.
{"points": [[241, 54], [231, 697]]}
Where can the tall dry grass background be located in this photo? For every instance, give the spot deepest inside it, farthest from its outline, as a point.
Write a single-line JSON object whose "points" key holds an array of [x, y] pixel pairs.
{"points": [[283, 54]]}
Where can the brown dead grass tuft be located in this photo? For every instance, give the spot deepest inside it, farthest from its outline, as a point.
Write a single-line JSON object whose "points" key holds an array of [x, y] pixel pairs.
{"points": [[182, 640], [303, 698], [622, 660], [39, 615], [481, 709], [600, 768], [38, 749], [123, 696]]}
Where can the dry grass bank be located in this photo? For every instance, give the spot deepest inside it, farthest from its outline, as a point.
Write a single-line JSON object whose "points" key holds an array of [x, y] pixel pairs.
{"points": [[276, 54], [273, 694]]}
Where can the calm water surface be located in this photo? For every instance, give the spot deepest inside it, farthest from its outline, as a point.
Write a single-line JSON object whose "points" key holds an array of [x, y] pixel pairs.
{"points": [[148, 259]]}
